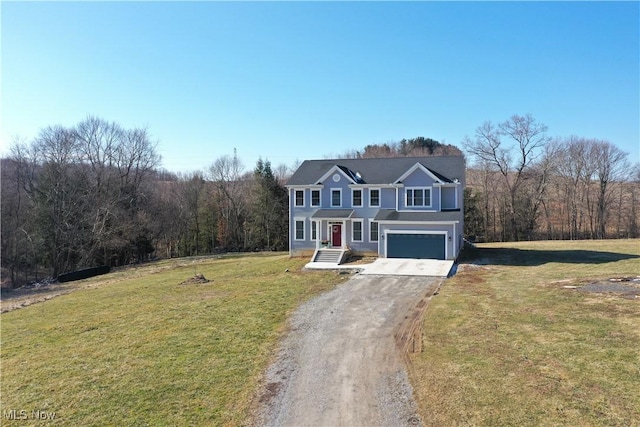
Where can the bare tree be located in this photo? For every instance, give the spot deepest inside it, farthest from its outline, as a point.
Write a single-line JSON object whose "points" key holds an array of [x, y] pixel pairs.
{"points": [[227, 174], [512, 147], [611, 163]]}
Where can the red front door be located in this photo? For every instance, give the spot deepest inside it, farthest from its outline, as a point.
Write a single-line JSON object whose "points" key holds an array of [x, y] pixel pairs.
{"points": [[336, 235]]}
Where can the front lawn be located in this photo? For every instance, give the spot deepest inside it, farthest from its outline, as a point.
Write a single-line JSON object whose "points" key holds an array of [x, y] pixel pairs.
{"points": [[136, 347], [509, 341]]}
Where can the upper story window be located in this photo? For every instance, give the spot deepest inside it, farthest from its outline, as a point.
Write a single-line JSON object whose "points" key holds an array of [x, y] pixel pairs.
{"points": [[299, 197], [356, 198], [420, 197], [315, 197], [336, 197], [374, 197]]}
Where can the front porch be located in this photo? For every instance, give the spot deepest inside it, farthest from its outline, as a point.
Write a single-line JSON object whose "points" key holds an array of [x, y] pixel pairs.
{"points": [[329, 231]]}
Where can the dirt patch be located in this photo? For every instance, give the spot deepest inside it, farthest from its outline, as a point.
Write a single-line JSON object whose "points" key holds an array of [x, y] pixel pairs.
{"points": [[624, 286], [628, 287], [409, 333], [195, 280], [13, 299]]}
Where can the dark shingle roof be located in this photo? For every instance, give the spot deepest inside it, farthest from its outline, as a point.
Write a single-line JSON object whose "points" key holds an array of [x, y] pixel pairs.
{"points": [[393, 215], [332, 214], [379, 171]]}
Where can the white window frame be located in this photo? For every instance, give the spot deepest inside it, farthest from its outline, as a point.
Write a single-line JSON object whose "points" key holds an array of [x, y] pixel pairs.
{"points": [[314, 230], [295, 198], [353, 194], [353, 230], [319, 199], [295, 229], [371, 205], [412, 190], [371, 222], [339, 190]]}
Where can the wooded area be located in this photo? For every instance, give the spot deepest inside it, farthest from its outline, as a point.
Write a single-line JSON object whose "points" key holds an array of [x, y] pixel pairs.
{"points": [[95, 195], [525, 185]]}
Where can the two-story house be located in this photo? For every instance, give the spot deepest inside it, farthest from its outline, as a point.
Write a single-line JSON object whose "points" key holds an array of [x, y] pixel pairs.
{"points": [[405, 207]]}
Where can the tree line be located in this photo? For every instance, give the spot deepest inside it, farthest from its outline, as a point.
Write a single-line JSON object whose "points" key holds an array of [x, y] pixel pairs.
{"points": [[525, 185], [95, 194]]}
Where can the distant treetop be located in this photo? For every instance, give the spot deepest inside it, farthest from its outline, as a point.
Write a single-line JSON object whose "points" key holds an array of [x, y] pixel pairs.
{"points": [[414, 147]]}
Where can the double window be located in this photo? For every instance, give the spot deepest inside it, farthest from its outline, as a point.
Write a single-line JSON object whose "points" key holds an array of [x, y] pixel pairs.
{"points": [[420, 197]]}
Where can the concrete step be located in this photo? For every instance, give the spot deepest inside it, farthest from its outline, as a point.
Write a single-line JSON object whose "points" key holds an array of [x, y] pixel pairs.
{"points": [[327, 256]]}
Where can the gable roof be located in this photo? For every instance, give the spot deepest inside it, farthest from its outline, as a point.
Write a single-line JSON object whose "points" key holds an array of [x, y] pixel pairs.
{"points": [[380, 171]]}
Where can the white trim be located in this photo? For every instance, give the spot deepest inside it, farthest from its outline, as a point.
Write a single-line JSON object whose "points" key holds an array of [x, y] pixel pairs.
{"points": [[331, 195], [295, 197], [413, 168], [418, 222], [353, 230], [289, 219], [455, 241], [379, 197], [304, 229], [314, 230], [311, 197], [303, 186], [353, 190], [318, 233]]}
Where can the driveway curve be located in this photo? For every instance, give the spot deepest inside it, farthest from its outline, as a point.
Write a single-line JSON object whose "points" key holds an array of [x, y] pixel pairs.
{"points": [[339, 364]]}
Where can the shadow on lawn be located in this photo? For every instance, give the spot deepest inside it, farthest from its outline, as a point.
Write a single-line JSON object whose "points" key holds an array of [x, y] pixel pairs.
{"points": [[531, 257]]}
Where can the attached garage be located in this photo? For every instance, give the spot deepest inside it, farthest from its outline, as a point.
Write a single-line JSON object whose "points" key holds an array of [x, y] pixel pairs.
{"points": [[416, 245]]}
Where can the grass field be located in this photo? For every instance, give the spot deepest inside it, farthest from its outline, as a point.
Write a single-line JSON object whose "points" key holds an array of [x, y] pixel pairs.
{"points": [[507, 342], [137, 348]]}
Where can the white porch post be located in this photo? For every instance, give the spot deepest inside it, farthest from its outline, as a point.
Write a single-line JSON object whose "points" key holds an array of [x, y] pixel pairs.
{"points": [[344, 234], [318, 234]]}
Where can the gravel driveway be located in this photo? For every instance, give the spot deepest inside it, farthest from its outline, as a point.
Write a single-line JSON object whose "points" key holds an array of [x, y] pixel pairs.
{"points": [[339, 364]]}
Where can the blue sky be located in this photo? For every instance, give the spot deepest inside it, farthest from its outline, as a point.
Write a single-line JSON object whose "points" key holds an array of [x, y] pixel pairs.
{"points": [[289, 81]]}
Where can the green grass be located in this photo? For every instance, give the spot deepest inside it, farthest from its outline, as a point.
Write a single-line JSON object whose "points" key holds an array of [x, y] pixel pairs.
{"points": [[136, 348], [506, 344]]}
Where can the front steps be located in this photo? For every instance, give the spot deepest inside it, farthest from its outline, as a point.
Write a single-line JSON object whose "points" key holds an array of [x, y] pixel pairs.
{"points": [[333, 256]]}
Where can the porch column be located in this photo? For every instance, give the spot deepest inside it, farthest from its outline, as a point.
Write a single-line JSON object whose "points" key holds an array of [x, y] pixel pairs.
{"points": [[318, 233], [343, 233]]}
